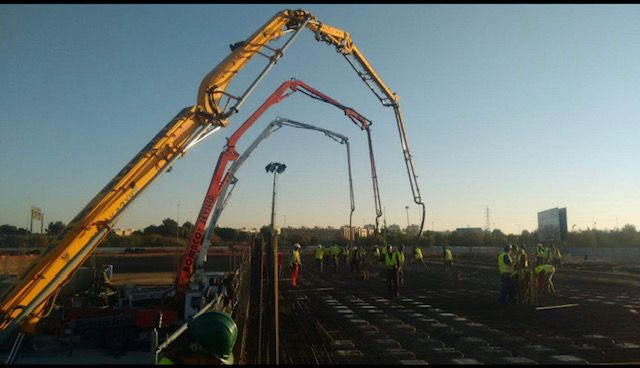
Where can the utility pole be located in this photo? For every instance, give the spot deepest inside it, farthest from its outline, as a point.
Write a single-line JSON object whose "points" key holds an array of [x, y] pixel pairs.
{"points": [[488, 224], [276, 168]]}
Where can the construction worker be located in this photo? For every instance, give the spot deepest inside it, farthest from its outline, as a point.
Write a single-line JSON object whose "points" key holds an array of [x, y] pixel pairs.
{"points": [[346, 254], [401, 264], [521, 276], [391, 264], [354, 262], [335, 256], [505, 267], [296, 262], [448, 259], [524, 258], [544, 273], [360, 256], [556, 257], [211, 337], [319, 254], [376, 251], [417, 256], [383, 251], [539, 254], [547, 254]]}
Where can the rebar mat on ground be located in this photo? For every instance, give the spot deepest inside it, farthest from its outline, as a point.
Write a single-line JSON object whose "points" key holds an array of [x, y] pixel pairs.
{"points": [[301, 340]]}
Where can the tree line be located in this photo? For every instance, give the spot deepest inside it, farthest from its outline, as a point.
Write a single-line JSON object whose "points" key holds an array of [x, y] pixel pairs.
{"points": [[626, 237], [169, 233], [166, 234]]}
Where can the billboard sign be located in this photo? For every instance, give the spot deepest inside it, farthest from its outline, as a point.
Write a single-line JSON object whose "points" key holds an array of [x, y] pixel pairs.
{"points": [[36, 213], [552, 224]]}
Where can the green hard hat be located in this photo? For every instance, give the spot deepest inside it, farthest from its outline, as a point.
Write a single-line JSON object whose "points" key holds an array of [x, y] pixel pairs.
{"points": [[216, 332]]}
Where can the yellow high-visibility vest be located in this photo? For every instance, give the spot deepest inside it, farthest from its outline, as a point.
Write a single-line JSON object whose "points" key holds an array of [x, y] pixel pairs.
{"points": [[547, 268], [319, 253], [391, 260], [448, 256], [502, 266], [295, 257], [418, 253], [166, 361]]}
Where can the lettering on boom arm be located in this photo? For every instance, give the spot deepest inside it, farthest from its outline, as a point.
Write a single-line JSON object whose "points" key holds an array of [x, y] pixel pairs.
{"points": [[198, 233]]}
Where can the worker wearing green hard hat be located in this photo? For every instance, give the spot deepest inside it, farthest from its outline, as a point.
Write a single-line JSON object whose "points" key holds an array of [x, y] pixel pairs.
{"points": [[212, 336]]}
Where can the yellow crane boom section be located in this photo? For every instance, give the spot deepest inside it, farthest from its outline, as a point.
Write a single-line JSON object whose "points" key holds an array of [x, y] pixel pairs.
{"points": [[25, 302]]}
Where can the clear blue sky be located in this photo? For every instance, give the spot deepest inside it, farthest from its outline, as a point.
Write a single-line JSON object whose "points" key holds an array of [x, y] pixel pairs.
{"points": [[517, 107]]}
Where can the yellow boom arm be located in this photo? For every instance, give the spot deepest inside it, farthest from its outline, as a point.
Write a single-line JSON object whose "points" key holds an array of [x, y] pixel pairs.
{"points": [[24, 303]]}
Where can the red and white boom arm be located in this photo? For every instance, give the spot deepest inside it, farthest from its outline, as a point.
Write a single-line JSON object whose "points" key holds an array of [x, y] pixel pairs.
{"points": [[218, 181]]}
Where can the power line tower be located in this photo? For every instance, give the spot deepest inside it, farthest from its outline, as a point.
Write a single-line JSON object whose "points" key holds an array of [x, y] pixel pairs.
{"points": [[487, 226]]}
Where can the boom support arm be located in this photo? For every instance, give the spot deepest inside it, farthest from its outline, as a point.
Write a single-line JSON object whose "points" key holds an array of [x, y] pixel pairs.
{"points": [[343, 43], [274, 126]]}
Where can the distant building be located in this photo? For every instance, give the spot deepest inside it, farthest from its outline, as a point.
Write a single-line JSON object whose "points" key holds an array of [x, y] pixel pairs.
{"points": [[347, 231], [469, 229], [552, 224], [412, 229], [123, 232], [362, 232], [358, 232], [371, 229], [393, 228], [323, 235]]}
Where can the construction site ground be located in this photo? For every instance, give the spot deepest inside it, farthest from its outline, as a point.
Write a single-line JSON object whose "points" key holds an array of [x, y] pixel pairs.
{"points": [[455, 318], [438, 319]]}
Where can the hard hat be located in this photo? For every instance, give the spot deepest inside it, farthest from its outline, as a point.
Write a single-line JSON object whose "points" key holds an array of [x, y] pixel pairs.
{"points": [[319, 245], [540, 245], [216, 333], [507, 247], [296, 245]]}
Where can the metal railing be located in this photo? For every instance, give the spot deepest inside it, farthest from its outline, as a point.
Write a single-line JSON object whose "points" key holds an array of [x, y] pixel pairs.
{"points": [[233, 301]]}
